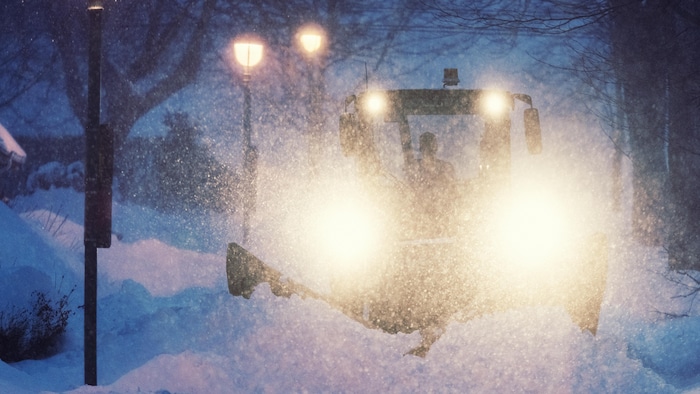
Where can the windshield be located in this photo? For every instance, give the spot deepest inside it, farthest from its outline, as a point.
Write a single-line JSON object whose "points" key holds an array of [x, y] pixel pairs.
{"points": [[462, 131]]}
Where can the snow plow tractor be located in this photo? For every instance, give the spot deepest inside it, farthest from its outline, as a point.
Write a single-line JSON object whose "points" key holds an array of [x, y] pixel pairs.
{"points": [[442, 240]]}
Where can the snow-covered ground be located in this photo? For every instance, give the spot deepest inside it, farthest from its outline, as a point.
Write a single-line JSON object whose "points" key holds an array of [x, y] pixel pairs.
{"points": [[166, 323]]}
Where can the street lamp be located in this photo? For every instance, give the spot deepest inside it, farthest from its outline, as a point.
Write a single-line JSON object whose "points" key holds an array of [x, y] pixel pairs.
{"points": [[248, 52], [95, 5], [312, 40], [99, 160]]}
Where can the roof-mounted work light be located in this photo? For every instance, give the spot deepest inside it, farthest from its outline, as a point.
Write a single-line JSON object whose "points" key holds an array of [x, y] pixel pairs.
{"points": [[450, 77]]}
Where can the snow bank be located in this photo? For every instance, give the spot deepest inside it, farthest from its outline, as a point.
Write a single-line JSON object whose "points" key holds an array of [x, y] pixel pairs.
{"points": [[185, 372], [166, 323], [15, 381], [29, 263], [671, 349], [163, 269]]}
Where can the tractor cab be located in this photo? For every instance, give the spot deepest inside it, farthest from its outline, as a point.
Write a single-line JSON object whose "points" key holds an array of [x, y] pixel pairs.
{"points": [[463, 152]]}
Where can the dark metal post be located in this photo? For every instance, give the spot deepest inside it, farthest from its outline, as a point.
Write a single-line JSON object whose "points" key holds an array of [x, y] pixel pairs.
{"points": [[250, 155], [92, 139], [315, 115], [313, 41], [246, 112], [90, 327]]}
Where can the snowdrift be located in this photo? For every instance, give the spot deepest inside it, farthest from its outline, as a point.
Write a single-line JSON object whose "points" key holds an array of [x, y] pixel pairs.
{"points": [[167, 323]]}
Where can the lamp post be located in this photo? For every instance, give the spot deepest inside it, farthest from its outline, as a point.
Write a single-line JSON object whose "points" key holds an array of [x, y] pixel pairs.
{"points": [[99, 160], [312, 39], [248, 52]]}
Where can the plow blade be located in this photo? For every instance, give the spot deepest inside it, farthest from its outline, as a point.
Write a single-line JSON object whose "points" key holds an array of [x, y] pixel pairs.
{"points": [[244, 272], [581, 297]]}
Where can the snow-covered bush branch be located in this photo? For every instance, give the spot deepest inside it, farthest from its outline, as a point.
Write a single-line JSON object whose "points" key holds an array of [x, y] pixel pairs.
{"points": [[34, 333], [55, 174]]}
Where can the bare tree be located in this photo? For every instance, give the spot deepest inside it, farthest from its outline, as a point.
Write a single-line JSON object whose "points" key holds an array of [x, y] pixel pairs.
{"points": [[27, 63], [636, 37], [684, 135], [152, 50], [655, 64]]}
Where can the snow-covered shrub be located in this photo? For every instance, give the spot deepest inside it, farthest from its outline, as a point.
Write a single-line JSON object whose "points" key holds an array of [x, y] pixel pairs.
{"points": [[49, 174], [55, 174], [75, 175], [34, 333], [188, 176]]}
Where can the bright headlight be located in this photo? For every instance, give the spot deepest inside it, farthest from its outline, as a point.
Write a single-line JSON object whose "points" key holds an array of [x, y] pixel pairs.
{"points": [[534, 229], [375, 103], [495, 104], [347, 231]]}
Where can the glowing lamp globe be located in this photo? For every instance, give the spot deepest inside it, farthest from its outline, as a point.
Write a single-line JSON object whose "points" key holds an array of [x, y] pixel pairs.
{"points": [[312, 39], [248, 53]]}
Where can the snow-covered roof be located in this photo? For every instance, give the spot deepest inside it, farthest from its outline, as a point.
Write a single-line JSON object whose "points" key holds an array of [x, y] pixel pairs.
{"points": [[10, 151]]}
